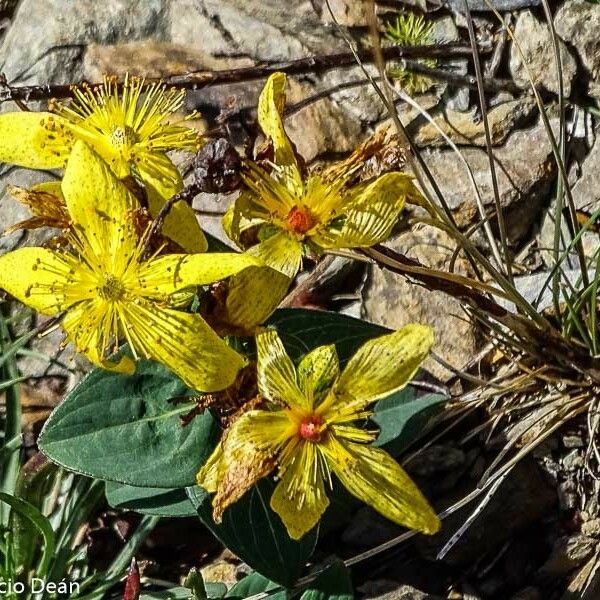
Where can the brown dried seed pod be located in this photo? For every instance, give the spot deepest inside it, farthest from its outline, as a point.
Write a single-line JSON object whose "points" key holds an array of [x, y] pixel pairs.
{"points": [[217, 167]]}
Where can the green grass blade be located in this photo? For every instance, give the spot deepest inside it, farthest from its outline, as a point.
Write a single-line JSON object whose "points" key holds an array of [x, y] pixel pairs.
{"points": [[10, 472], [31, 513]]}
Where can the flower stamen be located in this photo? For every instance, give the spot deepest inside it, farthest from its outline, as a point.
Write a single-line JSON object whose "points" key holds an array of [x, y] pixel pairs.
{"points": [[113, 289], [300, 219], [311, 428]]}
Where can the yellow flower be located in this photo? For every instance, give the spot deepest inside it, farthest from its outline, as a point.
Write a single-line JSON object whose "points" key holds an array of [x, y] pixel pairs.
{"points": [[108, 292], [307, 431], [131, 134], [294, 211]]}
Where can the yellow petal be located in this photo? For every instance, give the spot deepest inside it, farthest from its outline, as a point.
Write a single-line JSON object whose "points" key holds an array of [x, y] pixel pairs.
{"points": [[317, 372], [249, 454], [37, 140], [39, 278], [181, 224], [381, 366], [173, 272], [84, 325], [370, 212], [299, 498], [157, 170], [184, 343], [374, 477], [264, 429], [100, 205], [208, 475], [276, 373], [50, 187], [253, 295], [244, 213], [271, 104], [282, 251]]}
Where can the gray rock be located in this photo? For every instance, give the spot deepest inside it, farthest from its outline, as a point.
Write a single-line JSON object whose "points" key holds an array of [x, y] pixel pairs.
{"points": [[536, 288], [573, 460], [591, 528], [391, 300], [444, 32], [361, 103], [52, 358], [586, 196], [347, 12], [535, 42], [47, 38], [568, 553], [463, 129], [522, 498], [385, 589], [525, 170], [572, 441], [368, 529], [213, 206], [577, 22], [190, 24], [321, 127], [528, 593], [261, 29], [435, 460], [270, 31], [586, 189], [438, 468], [483, 6], [567, 495]]}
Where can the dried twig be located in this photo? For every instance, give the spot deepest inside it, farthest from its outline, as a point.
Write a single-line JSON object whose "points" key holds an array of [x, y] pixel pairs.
{"points": [[196, 80]]}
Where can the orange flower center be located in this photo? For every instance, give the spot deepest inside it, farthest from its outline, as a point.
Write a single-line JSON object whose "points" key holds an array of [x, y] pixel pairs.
{"points": [[300, 219], [311, 428]]}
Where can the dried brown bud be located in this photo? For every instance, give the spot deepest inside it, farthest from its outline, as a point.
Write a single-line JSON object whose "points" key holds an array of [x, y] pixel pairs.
{"points": [[132, 583], [217, 167]]}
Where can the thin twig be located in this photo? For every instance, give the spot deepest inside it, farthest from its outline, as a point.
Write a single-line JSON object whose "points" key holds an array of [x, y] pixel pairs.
{"points": [[196, 80]]}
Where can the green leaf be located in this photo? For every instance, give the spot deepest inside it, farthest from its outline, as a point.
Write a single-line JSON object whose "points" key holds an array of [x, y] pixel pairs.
{"points": [[160, 502], [333, 584], [178, 593], [402, 417], [256, 534], [302, 330], [125, 428], [213, 592], [255, 583], [195, 582], [216, 245]]}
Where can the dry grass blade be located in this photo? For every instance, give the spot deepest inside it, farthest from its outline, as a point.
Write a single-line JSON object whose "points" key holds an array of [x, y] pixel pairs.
{"points": [[488, 145]]}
